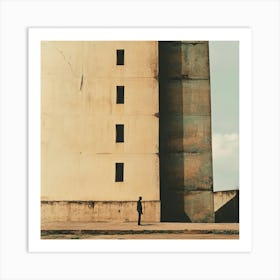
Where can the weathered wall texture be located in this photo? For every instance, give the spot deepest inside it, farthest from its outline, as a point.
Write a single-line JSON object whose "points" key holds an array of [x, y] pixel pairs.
{"points": [[98, 211], [185, 132], [78, 118]]}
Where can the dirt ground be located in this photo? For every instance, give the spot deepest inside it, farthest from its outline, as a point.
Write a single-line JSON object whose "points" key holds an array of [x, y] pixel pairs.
{"points": [[89, 230], [143, 236]]}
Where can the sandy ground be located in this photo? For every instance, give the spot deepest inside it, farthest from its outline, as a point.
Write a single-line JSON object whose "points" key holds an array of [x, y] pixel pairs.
{"points": [[143, 236], [78, 230], [133, 226]]}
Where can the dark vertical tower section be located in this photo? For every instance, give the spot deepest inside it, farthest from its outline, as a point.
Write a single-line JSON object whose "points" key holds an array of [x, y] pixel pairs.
{"points": [[186, 179]]}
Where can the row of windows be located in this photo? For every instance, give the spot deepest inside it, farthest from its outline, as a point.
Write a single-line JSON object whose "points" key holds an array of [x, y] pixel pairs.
{"points": [[120, 127], [120, 89]]}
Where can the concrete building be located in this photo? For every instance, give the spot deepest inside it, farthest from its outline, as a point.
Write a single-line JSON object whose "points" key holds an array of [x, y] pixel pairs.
{"points": [[99, 130], [121, 120]]}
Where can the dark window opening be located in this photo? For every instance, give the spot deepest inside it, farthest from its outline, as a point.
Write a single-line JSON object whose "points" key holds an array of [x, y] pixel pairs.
{"points": [[119, 172], [120, 94], [119, 133], [120, 57]]}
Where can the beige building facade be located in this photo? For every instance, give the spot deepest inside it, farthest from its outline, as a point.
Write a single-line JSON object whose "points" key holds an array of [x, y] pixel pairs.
{"points": [[99, 130], [121, 120]]}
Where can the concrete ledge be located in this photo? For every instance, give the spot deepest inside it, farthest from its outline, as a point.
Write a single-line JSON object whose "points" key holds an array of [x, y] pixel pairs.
{"points": [[98, 211], [223, 197]]}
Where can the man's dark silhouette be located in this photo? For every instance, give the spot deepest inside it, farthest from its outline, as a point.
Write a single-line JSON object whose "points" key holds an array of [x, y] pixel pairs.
{"points": [[139, 210]]}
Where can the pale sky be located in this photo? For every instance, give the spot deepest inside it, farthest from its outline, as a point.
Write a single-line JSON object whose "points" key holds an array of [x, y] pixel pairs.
{"points": [[224, 73]]}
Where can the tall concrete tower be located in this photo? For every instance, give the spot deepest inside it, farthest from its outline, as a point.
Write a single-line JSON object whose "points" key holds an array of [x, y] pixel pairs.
{"points": [[185, 132]]}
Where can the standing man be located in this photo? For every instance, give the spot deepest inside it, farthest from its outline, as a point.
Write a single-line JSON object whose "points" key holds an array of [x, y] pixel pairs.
{"points": [[139, 210]]}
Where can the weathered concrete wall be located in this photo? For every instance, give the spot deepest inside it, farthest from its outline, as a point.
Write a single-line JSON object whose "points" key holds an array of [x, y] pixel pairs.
{"points": [[92, 177], [223, 197], [97, 211], [185, 132], [226, 206], [79, 113]]}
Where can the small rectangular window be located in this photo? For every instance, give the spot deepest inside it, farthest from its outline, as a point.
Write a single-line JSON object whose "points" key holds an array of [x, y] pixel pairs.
{"points": [[120, 57], [119, 133], [119, 172], [120, 94]]}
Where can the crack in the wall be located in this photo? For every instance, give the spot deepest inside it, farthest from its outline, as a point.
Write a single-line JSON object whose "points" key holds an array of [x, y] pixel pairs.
{"points": [[69, 64], [82, 82]]}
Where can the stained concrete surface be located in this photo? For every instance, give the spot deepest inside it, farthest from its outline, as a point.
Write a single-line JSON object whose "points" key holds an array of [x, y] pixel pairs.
{"points": [[186, 175], [96, 211], [79, 114]]}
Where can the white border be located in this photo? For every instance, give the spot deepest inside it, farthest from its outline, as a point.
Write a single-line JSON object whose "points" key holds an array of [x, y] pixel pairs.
{"points": [[263, 260], [243, 35]]}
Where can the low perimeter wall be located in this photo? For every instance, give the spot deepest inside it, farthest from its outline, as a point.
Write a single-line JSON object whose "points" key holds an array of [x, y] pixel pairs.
{"points": [[98, 211]]}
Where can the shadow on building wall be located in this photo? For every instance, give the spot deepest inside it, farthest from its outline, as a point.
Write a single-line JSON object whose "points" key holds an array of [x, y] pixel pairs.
{"points": [[171, 133]]}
